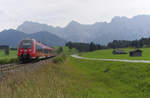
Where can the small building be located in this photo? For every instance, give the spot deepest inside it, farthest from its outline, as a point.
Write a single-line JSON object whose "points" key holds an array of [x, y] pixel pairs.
{"points": [[115, 51], [5, 48], [136, 52], [13, 48]]}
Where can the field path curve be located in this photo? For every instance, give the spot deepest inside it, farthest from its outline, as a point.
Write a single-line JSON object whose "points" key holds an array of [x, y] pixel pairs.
{"points": [[120, 60]]}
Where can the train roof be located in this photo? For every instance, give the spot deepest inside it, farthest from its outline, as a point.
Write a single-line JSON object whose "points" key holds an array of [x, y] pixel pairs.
{"points": [[42, 44]]}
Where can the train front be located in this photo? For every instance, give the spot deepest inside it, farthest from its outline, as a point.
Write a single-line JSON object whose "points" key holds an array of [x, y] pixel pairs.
{"points": [[26, 49]]}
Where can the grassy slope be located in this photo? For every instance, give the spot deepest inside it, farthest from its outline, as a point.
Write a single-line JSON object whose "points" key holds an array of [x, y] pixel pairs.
{"points": [[107, 54], [7, 59], [113, 79], [81, 79]]}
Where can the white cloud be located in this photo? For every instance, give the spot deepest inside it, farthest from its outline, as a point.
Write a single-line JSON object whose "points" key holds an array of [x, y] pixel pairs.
{"points": [[60, 12]]}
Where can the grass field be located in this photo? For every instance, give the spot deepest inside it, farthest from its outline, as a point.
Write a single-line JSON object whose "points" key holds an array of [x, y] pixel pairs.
{"points": [[107, 54], [76, 78], [67, 51], [8, 59]]}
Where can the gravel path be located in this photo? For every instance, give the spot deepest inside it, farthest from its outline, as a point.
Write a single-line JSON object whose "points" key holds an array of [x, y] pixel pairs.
{"points": [[120, 60], [26, 67]]}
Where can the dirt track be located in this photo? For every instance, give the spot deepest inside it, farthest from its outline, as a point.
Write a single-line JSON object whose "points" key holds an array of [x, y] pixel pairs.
{"points": [[119, 60]]}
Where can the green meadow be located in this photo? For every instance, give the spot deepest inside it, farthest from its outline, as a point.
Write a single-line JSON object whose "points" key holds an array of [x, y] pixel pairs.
{"points": [[107, 54], [12, 57], [68, 77], [75, 78]]}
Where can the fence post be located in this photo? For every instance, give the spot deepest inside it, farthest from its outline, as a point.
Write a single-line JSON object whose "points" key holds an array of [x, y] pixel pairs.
{"points": [[1, 71]]}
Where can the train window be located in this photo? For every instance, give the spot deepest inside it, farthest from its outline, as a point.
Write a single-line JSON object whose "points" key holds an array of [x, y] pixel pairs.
{"points": [[26, 44], [46, 51], [38, 48], [50, 51]]}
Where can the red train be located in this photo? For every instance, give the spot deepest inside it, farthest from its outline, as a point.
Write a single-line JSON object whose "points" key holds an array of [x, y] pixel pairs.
{"points": [[31, 49]]}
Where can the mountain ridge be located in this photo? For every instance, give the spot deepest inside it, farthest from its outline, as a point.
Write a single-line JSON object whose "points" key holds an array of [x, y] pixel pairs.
{"points": [[119, 28], [12, 38]]}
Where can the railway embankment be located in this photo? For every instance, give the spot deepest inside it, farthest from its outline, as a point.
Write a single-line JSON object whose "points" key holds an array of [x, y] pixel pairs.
{"points": [[8, 69]]}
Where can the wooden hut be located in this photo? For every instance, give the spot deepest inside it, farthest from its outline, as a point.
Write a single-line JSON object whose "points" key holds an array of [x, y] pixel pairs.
{"points": [[5, 48], [117, 51], [136, 52]]}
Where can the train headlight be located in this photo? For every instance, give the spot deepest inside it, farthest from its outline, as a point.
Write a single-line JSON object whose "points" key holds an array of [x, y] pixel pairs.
{"points": [[30, 50]]}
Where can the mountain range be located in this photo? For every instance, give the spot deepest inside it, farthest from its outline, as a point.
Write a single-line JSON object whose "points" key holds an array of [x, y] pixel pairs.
{"points": [[120, 28], [13, 37]]}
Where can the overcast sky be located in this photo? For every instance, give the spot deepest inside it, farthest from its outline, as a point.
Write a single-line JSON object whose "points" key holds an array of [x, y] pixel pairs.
{"points": [[61, 12]]}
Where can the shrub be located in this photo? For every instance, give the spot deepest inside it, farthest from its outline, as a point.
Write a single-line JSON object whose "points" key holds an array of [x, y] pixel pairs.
{"points": [[59, 59], [59, 50]]}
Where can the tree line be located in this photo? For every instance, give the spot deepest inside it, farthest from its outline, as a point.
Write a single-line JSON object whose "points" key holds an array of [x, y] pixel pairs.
{"points": [[143, 42], [86, 47]]}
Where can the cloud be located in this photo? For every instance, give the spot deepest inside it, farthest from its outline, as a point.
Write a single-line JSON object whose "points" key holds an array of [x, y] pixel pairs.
{"points": [[60, 12], [1, 12]]}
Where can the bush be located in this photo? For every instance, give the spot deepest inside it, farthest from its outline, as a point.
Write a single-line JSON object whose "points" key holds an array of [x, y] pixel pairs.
{"points": [[73, 51], [59, 59], [59, 50], [63, 56]]}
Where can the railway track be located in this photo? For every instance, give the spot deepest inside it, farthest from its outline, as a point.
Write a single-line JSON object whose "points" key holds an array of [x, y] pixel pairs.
{"points": [[6, 69]]}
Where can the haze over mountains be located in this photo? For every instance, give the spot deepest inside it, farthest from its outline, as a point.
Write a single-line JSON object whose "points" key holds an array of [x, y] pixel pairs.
{"points": [[120, 28], [13, 37]]}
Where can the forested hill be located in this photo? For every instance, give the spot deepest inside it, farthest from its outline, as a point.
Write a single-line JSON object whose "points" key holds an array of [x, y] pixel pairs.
{"points": [[13, 37]]}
